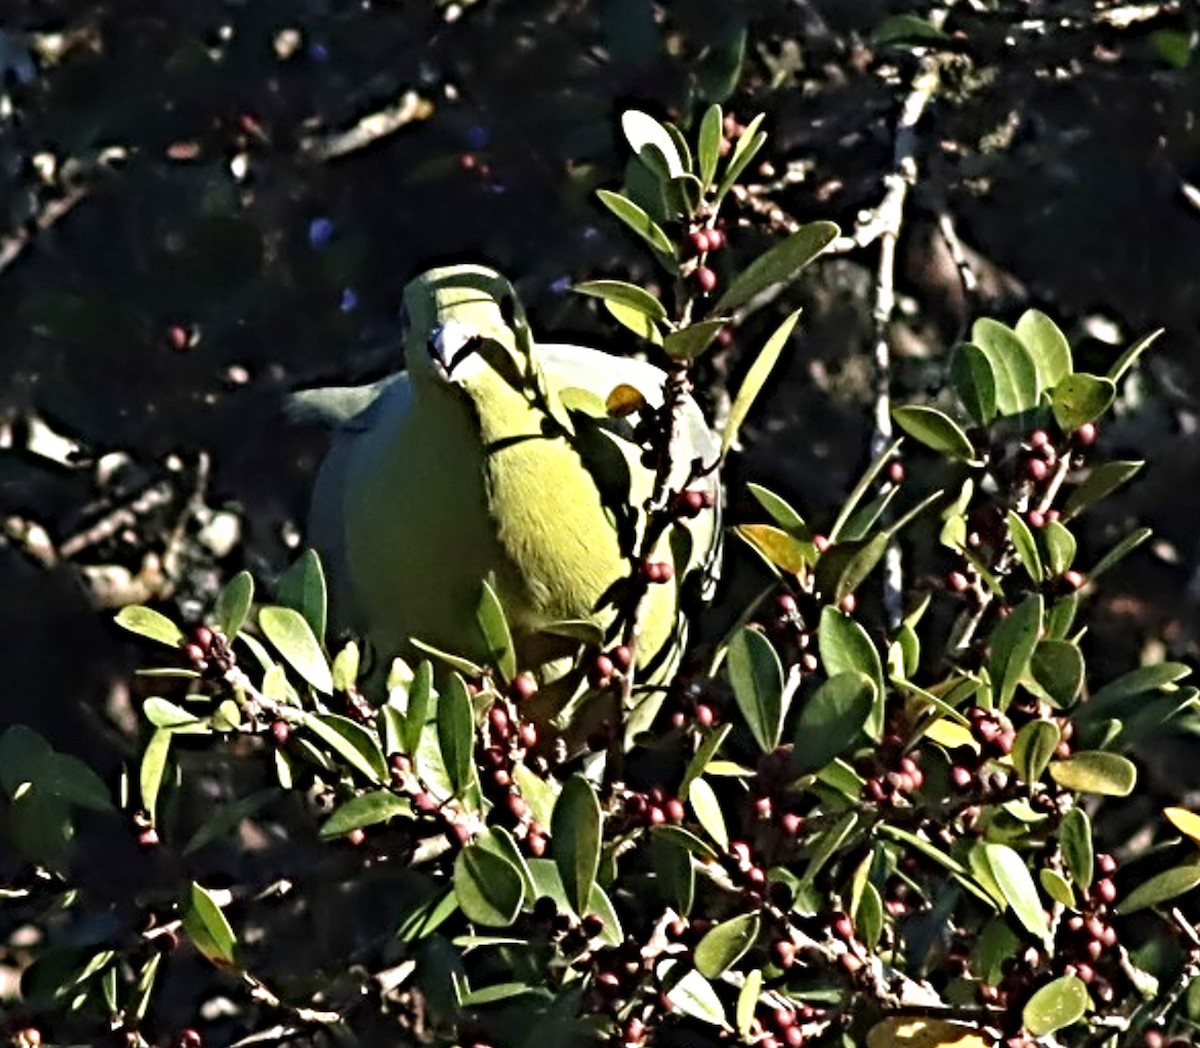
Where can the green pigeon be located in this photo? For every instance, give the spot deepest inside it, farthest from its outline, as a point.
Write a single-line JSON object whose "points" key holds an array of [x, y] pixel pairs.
{"points": [[494, 458]]}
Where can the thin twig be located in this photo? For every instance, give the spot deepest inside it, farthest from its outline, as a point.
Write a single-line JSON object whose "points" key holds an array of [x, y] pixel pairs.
{"points": [[14, 243], [409, 108]]}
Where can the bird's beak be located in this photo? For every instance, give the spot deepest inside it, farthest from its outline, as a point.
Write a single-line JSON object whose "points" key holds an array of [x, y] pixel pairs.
{"points": [[451, 343]]}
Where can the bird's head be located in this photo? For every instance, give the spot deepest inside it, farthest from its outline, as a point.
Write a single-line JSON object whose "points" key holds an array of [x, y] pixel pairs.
{"points": [[466, 329]]}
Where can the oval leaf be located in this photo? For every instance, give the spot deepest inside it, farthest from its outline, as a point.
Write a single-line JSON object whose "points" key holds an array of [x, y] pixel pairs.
{"points": [[1059, 544], [724, 945], [756, 378], [1186, 822], [651, 141], [637, 220], [302, 588], [1158, 889], [973, 380], [1093, 771], [1015, 882], [233, 605], [1034, 746], [1057, 668], [488, 888], [367, 809], [1075, 839], [1079, 399], [147, 622], [1026, 547], [1013, 643], [456, 733], [496, 635], [576, 832], [832, 718], [846, 647], [935, 430], [206, 926], [1047, 345], [756, 677], [1101, 482], [293, 638], [350, 741], [629, 295], [1057, 1004], [780, 265], [708, 811], [1017, 386]]}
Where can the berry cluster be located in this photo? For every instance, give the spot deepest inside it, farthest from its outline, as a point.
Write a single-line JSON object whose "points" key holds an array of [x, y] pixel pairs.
{"points": [[781, 1027], [700, 242], [1087, 940], [208, 651], [995, 735], [891, 774], [652, 808]]}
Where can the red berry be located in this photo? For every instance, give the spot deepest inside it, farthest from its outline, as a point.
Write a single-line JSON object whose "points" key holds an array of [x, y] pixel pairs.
{"points": [[1105, 890], [689, 504], [792, 824], [203, 636], [958, 582], [622, 657], [148, 838], [786, 604], [782, 1018], [656, 816], [1074, 580], [698, 241], [537, 845], [793, 1037], [895, 471], [821, 542], [1035, 469], [849, 603], [961, 777], [189, 1038], [1036, 518], [399, 763], [523, 687], [762, 807], [177, 338], [705, 715], [674, 810], [725, 338], [1106, 863], [706, 279], [592, 925], [499, 721], [356, 837], [528, 735], [517, 807], [716, 240], [1086, 434], [601, 672], [783, 953], [841, 927], [425, 803], [634, 1031], [281, 731], [467, 161]]}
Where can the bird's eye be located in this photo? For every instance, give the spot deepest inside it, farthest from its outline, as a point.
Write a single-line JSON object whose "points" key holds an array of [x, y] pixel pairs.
{"points": [[508, 309]]}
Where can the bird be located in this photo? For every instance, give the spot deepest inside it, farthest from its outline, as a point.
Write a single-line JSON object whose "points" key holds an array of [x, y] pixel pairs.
{"points": [[496, 458]]}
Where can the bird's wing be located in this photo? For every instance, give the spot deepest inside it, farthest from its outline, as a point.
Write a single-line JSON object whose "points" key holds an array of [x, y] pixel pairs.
{"points": [[344, 407], [351, 411]]}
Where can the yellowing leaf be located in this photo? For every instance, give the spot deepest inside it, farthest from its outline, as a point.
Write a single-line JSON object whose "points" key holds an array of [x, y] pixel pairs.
{"points": [[1186, 822], [950, 734], [923, 1033]]}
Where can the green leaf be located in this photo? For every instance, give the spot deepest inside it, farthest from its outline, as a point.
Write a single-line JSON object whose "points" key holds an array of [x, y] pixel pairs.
{"points": [[708, 812], [367, 809], [1015, 881], [780, 511], [1100, 483], [634, 320], [233, 605], [1075, 840], [456, 734], [1059, 544], [345, 667], [1094, 771], [420, 698], [935, 430], [832, 718], [547, 882], [1047, 345], [206, 926], [147, 622], [747, 1002], [1081, 398], [302, 588], [489, 615], [488, 888], [164, 714], [846, 647], [868, 918], [689, 342], [1013, 643], [70, 780], [686, 840], [703, 756], [757, 681], [499, 841], [692, 994], [1137, 682], [1057, 1004], [725, 944], [1013, 366], [1162, 886], [538, 793], [1057, 668], [709, 143], [153, 766], [907, 29], [637, 220], [744, 150], [974, 382], [629, 295], [674, 872], [1056, 886], [652, 143], [1119, 552], [842, 569], [1034, 746], [1026, 547], [779, 265], [294, 639], [755, 379], [350, 741], [1127, 359], [576, 832]]}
